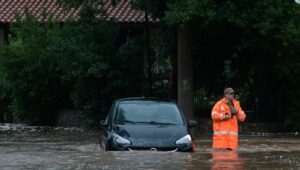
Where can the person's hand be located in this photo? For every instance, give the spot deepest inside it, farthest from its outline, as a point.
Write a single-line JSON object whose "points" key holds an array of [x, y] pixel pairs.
{"points": [[227, 116], [234, 111]]}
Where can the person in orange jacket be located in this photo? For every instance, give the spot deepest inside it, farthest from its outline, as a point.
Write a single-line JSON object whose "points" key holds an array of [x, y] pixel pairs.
{"points": [[225, 115]]}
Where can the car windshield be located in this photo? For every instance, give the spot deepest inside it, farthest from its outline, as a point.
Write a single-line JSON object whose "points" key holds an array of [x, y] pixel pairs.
{"points": [[149, 112]]}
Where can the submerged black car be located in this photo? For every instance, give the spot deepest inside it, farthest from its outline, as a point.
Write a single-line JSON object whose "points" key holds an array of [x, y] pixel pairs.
{"points": [[146, 124]]}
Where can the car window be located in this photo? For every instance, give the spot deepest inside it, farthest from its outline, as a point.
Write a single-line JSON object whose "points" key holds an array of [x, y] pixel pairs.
{"points": [[149, 112]]}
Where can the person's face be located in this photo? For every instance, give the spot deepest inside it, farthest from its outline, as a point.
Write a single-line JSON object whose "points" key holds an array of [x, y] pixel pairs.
{"points": [[230, 96]]}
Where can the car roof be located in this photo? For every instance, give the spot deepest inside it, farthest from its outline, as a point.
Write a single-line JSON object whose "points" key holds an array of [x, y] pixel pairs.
{"points": [[153, 99]]}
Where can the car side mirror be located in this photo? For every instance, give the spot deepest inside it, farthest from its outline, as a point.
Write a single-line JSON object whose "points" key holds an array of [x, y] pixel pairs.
{"points": [[103, 123], [192, 123]]}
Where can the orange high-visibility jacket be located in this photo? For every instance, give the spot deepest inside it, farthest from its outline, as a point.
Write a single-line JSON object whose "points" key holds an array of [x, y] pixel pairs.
{"points": [[226, 131]]}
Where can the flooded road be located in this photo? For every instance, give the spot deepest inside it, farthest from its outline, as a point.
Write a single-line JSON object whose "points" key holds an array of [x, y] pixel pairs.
{"points": [[72, 148]]}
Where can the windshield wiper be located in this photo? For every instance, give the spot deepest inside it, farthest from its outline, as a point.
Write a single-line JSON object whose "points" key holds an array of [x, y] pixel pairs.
{"points": [[150, 122], [158, 123], [163, 123], [125, 121]]}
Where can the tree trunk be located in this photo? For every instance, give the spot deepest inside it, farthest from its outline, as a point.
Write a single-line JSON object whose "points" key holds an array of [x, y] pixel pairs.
{"points": [[185, 73]]}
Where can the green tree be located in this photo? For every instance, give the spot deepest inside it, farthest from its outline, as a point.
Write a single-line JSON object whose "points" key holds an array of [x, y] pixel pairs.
{"points": [[96, 66], [81, 64], [30, 78], [251, 45]]}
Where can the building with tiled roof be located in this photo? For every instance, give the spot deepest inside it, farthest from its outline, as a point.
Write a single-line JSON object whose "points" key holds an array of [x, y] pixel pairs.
{"points": [[122, 12]]}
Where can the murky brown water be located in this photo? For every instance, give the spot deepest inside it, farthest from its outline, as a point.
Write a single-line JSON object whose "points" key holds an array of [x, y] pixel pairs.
{"points": [[73, 149]]}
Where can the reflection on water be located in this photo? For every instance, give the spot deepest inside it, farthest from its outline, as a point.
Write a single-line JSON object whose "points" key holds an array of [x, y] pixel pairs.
{"points": [[65, 149], [226, 160]]}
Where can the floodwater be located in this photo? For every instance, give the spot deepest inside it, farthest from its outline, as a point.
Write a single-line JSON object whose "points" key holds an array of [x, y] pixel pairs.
{"points": [[23, 147]]}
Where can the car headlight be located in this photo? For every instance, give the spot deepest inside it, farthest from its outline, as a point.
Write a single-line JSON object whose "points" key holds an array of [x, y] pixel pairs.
{"points": [[187, 139], [120, 140]]}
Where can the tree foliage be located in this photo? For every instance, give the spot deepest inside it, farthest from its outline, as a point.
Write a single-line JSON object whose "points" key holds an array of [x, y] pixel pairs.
{"points": [[79, 65], [252, 45]]}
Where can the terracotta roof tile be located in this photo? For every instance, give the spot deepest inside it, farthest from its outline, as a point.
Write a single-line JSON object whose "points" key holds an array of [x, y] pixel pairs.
{"points": [[122, 12]]}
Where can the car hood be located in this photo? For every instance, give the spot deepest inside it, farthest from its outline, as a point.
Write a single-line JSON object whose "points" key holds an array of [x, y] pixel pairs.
{"points": [[152, 135]]}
